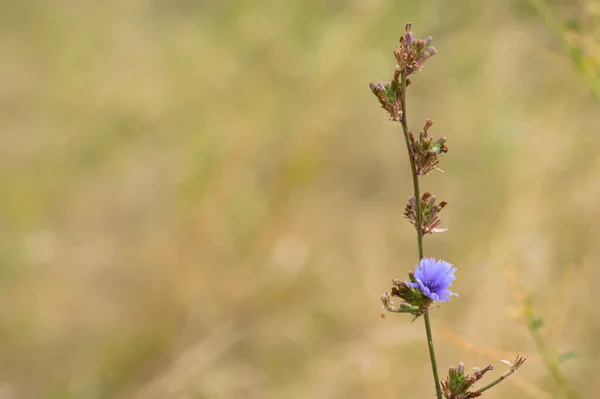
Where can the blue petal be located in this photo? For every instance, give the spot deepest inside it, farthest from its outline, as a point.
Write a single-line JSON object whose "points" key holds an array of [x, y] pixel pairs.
{"points": [[433, 278]]}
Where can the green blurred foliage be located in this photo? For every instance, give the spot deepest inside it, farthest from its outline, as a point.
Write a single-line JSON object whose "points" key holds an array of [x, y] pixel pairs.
{"points": [[204, 200]]}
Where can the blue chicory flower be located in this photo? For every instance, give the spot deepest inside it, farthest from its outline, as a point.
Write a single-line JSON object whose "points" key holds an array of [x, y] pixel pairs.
{"points": [[434, 278]]}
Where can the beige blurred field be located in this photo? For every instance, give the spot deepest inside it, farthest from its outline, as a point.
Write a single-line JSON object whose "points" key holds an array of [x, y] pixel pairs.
{"points": [[204, 200]]}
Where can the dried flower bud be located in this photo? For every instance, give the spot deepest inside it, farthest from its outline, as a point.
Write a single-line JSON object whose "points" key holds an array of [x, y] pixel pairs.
{"points": [[425, 151], [515, 365], [388, 95], [412, 53], [457, 384], [430, 220], [400, 289], [410, 56]]}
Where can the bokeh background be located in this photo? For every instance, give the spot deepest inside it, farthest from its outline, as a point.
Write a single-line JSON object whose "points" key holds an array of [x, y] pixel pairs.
{"points": [[202, 199]]}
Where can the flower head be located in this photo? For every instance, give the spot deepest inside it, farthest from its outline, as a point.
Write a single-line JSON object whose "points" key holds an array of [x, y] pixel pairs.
{"points": [[433, 278]]}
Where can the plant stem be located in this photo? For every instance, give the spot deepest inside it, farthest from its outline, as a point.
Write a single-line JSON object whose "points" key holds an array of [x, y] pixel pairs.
{"points": [[549, 357], [583, 67], [496, 381], [413, 167], [436, 378], [418, 227]]}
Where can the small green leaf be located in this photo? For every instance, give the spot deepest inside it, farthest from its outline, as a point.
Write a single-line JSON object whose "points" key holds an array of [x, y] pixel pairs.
{"points": [[573, 25], [566, 356], [536, 324], [437, 148]]}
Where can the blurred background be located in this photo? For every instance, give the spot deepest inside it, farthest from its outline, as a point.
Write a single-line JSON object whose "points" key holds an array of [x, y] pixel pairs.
{"points": [[202, 199]]}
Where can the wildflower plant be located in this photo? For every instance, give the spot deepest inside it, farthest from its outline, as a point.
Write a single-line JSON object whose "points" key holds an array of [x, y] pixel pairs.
{"points": [[431, 280]]}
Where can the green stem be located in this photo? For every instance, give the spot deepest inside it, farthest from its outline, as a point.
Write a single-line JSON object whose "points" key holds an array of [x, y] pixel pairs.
{"points": [[419, 228], [436, 378], [413, 167], [587, 71], [549, 357], [496, 381]]}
